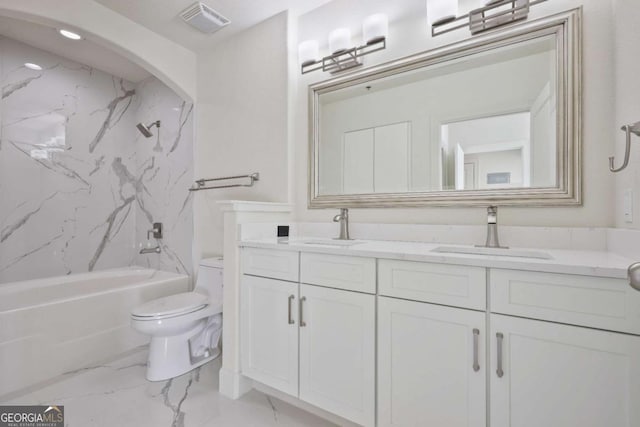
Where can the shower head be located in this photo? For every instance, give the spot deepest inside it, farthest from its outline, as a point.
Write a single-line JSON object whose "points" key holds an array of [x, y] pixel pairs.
{"points": [[145, 129]]}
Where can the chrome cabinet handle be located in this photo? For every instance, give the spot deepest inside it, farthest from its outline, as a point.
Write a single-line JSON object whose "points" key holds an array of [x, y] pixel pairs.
{"points": [[302, 322], [476, 335], [499, 371], [291, 298]]}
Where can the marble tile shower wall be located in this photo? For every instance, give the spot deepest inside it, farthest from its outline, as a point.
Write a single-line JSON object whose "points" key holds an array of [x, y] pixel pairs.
{"points": [[79, 185], [164, 168]]}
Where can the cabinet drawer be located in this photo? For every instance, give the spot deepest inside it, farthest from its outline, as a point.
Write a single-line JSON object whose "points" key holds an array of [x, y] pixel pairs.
{"points": [[454, 285], [578, 300], [271, 263], [336, 271]]}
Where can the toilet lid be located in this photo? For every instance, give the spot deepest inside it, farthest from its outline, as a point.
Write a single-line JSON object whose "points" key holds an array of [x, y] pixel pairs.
{"points": [[171, 305]]}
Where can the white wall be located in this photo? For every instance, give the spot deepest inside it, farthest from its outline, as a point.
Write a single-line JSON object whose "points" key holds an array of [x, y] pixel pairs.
{"points": [[241, 123], [408, 35], [627, 90]]}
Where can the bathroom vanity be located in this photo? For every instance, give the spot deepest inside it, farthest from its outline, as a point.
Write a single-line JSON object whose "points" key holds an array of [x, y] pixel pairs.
{"points": [[404, 334]]}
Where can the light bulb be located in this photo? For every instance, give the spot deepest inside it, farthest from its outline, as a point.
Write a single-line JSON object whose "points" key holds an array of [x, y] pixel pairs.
{"points": [[375, 28], [308, 52], [340, 40], [70, 34], [32, 66]]}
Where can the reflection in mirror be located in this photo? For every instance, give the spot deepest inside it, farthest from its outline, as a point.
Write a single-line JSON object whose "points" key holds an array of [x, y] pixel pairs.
{"points": [[493, 152], [478, 122]]}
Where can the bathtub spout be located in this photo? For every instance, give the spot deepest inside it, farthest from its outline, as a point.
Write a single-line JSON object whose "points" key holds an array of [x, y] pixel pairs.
{"points": [[155, 250]]}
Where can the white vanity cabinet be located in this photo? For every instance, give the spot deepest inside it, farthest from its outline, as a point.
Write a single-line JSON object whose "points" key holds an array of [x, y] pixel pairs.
{"points": [[586, 374], [337, 352], [431, 358], [392, 342], [432, 366], [546, 374], [269, 332], [310, 340]]}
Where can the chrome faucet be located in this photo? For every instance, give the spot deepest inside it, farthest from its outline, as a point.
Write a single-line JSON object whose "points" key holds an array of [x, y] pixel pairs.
{"points": [[156, 232], [343, 219], [492, 229]]}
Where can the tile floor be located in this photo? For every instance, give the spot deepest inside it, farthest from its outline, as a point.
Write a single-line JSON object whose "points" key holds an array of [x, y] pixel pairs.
{"points": [[116, 394]]}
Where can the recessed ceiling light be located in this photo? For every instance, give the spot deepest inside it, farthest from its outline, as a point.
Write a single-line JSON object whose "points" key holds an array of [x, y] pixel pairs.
{"points": [[70, 34], [33, 66]]}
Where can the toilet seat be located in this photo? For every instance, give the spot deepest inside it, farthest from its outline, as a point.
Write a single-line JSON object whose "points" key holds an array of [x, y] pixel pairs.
{"points": [[171, 306]]}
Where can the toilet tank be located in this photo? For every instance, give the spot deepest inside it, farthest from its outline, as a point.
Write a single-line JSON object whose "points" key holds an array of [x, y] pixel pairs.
{"points": [[210, 278]]}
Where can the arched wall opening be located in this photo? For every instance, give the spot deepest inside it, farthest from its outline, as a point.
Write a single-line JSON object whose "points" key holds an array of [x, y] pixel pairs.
{"points": [[86, 185], [171, 63]]}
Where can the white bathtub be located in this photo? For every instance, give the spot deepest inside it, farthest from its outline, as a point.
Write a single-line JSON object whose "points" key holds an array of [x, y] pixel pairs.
{"points": [[52, 326]]}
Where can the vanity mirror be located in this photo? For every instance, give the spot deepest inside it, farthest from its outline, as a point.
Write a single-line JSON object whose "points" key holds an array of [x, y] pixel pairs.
{"points": [[492, 119]]}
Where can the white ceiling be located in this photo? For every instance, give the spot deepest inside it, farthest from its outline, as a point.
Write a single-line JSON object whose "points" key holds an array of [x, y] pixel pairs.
{"points": [[161, 16], [84, 51]]}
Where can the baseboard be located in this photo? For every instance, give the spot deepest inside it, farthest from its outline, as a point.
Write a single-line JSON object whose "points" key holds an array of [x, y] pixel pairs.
{"points": [[233, 385], [293, 401]]}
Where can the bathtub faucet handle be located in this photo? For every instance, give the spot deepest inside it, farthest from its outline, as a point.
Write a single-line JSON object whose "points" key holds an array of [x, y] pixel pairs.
{"points": [[156, 231]]}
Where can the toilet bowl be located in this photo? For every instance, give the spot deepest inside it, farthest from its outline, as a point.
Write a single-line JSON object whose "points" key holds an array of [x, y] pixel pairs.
{"points": [[184, 328]]}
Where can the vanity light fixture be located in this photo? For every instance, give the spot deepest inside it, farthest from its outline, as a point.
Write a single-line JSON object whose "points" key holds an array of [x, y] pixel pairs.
{"points": [[70, 34], [32, 66], [343, 54], [493, 14]]}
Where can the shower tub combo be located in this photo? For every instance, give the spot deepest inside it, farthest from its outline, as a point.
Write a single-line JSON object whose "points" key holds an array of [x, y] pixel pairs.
{"points": [[53, 326]]}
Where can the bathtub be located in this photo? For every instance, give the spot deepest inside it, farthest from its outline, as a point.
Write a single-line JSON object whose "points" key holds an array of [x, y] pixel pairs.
{"points": [[58, 325]]}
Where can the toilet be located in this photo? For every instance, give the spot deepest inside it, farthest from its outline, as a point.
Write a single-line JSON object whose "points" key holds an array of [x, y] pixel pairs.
{"points": [[185, 328]]}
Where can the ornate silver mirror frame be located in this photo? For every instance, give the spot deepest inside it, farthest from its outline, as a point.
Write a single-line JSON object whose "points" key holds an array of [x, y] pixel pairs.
{"points": [[567, 28]]}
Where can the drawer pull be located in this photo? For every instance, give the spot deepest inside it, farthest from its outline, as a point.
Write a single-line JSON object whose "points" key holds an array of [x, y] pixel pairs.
{"points": [[291, 298], [499, 371], [302, 322], [476, 336]]}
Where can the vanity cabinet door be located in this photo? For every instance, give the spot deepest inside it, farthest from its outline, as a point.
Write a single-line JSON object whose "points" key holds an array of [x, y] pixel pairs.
{"points": [[269, 332], [431, 365], [562, 376], [337, 352]]}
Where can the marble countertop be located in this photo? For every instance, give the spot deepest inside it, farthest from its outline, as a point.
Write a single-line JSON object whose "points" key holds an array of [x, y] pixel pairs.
{"points": [[586, 263]]}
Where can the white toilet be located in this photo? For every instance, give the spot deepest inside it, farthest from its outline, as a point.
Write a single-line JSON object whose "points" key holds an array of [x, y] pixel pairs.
{"points": [[185, 328]]}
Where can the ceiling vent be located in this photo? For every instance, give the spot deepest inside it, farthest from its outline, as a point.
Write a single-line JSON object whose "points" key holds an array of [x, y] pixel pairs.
{"points": [[205, 19]]}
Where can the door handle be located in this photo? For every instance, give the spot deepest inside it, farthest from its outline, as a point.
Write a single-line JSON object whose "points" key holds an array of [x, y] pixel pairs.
{"points": [[302, 322], [476, 336], [499, 371], [291, 298]]}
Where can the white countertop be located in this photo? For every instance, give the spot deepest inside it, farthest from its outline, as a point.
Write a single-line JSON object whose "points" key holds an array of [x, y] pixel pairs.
{"points": [[586, 263]]}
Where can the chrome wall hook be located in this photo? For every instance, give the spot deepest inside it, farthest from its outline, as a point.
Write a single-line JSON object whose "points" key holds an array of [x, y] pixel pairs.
{"points": [[628, 129]]}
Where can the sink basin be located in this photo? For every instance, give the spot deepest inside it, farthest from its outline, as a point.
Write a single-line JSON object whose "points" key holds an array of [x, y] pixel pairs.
{"points": [[330, 242], [471, 250]]}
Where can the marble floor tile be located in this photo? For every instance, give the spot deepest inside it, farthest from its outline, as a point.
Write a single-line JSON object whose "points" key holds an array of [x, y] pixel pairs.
{"points": [[117, 394]]}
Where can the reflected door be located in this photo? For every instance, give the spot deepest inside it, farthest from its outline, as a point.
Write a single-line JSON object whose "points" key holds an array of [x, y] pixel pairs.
{"points": [[376, 160]]}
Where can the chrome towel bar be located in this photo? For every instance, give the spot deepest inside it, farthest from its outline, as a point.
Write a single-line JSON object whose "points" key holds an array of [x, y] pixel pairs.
{"points": [[201, 183]]}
